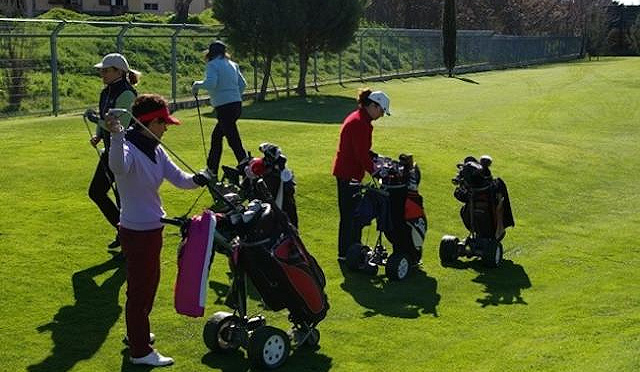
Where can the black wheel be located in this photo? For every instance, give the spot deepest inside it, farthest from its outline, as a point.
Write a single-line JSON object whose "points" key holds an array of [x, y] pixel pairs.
{"points": [[356, 255], [268, 347], [220, 332], [397, 267], [492, 254], [448, 249]]}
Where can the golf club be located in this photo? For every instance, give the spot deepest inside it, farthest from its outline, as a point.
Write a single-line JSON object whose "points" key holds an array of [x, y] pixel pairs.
{"points": [[204, 146], [104, 167], [116, 113]]}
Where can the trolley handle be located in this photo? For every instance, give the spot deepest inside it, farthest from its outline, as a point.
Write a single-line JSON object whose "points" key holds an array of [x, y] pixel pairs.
{"points": [[177, 221]]}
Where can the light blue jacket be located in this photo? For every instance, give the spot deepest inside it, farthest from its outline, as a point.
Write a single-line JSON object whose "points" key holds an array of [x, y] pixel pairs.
{"points": [[223, 80]]}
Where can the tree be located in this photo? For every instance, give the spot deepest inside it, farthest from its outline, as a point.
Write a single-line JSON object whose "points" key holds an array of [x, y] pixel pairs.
{"points": [[256, 28], [322, 26], [449, 35], [635, 35], [182, 10]]}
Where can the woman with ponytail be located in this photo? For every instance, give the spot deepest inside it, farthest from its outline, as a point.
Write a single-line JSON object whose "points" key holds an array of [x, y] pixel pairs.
{"points": [[353, 158], [118, 92]]}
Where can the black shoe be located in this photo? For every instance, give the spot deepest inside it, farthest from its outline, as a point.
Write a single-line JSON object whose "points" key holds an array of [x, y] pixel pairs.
{"points": [[115, 243]]}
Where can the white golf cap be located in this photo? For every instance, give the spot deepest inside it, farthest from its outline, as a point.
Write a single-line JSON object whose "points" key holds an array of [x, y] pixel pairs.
{"points": [[116, 60], [382, 99]]}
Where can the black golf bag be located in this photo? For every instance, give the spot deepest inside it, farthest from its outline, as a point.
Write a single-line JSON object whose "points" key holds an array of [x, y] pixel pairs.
{"points": [[486, 213], [393, 200], [487, 210]]}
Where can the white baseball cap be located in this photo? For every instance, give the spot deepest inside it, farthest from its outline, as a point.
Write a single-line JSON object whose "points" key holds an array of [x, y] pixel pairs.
{"points": [[381, 99], [115, 60]]}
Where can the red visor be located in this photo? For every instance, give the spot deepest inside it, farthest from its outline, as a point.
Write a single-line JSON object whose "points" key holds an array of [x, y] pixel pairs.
{"points": [[162, 113]]}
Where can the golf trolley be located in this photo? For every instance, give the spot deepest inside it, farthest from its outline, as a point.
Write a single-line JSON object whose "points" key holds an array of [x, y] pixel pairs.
{"points": [[486, 213], [392, 199], [264, 247]]}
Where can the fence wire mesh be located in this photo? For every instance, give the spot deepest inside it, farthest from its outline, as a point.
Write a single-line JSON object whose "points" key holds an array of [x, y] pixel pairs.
{"points": [[47, 65]]}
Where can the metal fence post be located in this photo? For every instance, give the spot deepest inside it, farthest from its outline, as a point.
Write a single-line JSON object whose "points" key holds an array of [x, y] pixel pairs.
{"points": [[361, 59], [286, 73], [174, 64], [380, 55], [120, 41], [315, 70], [255, 76], [340, 68], [398, 55], [55, 94]]}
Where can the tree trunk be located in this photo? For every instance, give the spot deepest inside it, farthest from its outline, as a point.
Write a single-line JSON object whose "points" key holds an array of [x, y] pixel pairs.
{"points": [[266, 69], [449, 35], [303, 61], [182, 11]]}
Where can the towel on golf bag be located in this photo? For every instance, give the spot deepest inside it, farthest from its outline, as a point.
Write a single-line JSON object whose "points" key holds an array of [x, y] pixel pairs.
{"points": [[287, 276], [195, 255]]}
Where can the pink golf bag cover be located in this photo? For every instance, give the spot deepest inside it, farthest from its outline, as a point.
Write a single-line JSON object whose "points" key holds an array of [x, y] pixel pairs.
{"points": [[195, 256]]}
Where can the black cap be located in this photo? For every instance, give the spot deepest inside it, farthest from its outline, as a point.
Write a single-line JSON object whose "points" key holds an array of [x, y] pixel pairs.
{"points": [[217, 47]]}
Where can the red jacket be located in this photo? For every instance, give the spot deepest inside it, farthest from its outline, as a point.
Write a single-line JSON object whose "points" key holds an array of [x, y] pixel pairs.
{"points": [[352, 157]]}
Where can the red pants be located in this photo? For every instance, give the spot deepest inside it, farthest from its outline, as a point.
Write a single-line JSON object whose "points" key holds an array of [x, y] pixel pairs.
{"points": [[142, 250]]}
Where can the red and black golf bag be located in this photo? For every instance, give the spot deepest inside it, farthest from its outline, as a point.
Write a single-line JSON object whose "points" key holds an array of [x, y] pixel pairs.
{"points": [[285, 274]]}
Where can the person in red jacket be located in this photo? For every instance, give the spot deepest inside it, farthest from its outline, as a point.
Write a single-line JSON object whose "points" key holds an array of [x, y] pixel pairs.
{"points": [[353, 158]]}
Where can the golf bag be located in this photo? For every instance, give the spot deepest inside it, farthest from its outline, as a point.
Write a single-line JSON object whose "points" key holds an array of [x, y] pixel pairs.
{"points": [[486, 211], [397, 206], [285, 274], [195, 255]]}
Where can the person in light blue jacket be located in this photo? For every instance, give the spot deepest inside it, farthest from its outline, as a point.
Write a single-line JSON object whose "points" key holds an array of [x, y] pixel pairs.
{"points": [[225, 84]]}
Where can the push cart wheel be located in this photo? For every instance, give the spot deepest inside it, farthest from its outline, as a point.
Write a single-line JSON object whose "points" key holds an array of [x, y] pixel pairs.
{"points": [[220, 332], [397, 267], [448, 249], [492, 254], [356, 255], [268, 347]]}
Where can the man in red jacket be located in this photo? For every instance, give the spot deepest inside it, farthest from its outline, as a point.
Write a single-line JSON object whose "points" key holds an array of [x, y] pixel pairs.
{"points": [[353, 158]]}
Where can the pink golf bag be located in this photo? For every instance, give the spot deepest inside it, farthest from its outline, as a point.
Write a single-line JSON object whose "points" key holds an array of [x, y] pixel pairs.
{"points": [[195, 256]]}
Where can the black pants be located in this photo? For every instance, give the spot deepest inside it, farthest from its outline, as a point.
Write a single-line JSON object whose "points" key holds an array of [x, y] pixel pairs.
{"points": [[348, 231], [99, 188], [227, 114]]}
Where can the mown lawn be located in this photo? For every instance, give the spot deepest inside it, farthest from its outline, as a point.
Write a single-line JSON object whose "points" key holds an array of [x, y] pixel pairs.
{"points": [[563, 137]]}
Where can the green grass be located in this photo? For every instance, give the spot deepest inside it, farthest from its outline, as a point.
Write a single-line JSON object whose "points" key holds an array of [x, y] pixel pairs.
{"points": [[563, 137]]}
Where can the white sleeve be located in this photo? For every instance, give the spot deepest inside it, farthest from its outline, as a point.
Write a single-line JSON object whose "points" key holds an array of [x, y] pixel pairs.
{"points": [[120, 158], [174, 174]]}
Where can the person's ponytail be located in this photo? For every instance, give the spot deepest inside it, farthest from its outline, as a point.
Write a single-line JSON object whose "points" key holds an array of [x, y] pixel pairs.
{"points": [[133, 77], [363, 97]]}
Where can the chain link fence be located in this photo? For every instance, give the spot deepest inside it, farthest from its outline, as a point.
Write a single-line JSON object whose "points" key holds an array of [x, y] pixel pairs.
{"points": [[47, 65]]}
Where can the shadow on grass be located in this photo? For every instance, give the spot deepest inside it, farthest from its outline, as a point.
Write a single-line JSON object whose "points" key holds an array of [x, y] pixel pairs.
{"points": [[320, 109], [503, 285], [80, 329], [409, 298], [301, 359]]}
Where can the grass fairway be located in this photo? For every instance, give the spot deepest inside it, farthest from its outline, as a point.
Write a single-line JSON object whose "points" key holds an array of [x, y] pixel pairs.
{"points": [[563, 137]]}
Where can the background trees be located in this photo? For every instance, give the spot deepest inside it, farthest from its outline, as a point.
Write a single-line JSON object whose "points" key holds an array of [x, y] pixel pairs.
{"points": [[267, 28]]}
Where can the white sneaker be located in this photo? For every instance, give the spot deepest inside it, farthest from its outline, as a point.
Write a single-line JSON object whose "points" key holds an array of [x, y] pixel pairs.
{"points": [[152, 339], [154, 358]]}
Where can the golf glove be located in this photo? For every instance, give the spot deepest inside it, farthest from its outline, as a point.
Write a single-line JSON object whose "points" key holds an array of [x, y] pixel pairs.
{"points": [[202, 178], [92, 116], [195, 86]]}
